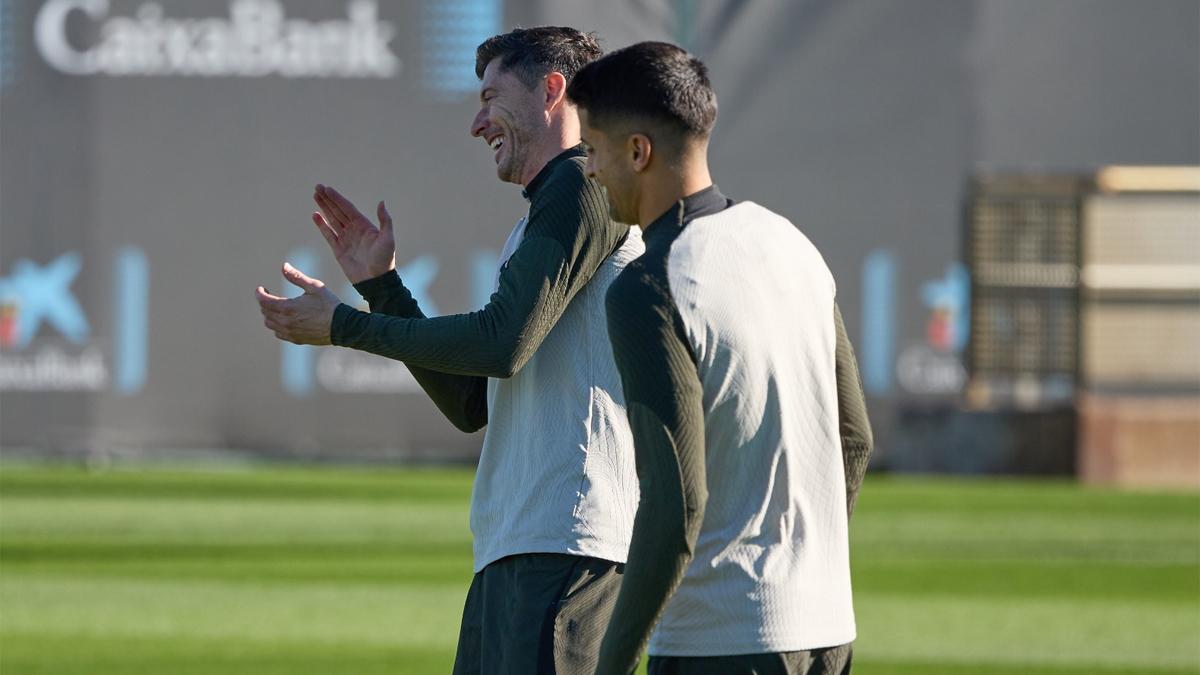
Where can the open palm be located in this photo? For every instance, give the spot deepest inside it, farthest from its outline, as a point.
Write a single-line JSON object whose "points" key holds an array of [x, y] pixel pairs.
{"points": [[363, 250]]}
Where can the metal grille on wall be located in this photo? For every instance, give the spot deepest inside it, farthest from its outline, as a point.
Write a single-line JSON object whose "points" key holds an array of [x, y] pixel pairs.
{"points": [[1084, 281], [1023, 254]]}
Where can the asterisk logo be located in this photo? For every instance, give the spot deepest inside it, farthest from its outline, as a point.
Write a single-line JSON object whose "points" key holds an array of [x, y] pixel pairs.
{"points": [[44, 294]]}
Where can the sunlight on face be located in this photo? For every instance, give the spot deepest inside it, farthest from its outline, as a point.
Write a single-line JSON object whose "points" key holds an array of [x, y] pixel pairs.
{"points": [[605, 163], [508, 120]]}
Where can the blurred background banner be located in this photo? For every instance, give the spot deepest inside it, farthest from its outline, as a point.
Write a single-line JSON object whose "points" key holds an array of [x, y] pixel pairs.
{"points": [[948, 157]]}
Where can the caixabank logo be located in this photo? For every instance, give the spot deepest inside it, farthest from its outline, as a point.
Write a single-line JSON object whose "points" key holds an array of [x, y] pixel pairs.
{"points": [[47, 339], [263, 38], [255, 39]]}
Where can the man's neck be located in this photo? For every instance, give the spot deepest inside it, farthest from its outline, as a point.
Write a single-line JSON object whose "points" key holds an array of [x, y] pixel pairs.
{"points": [[543, 158], [560, 135], [668, 187]]}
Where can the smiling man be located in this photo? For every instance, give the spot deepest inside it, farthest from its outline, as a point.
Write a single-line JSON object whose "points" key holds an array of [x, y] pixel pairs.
{"points": [[742, 391], [555, 492]]}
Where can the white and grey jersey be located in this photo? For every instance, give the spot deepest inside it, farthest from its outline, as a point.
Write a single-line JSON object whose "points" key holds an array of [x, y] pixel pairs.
{"points": [[556, 473], [731, 354]]}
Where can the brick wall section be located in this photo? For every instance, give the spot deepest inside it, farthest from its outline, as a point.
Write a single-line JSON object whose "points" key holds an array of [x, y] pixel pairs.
{"points": [[1140, 442]]}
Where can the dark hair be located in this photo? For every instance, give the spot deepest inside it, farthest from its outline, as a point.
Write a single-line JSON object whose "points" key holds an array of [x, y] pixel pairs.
{"points": [[533, 53], [649, 81]]}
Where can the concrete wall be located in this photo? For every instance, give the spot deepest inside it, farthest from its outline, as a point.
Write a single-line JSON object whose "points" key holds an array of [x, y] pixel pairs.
{"points": [[177, 192]]}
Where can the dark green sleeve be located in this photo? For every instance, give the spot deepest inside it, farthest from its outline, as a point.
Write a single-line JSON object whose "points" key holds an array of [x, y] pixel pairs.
{"points": [[853, 425], [567, 236], [461, 398], [663, 399]]}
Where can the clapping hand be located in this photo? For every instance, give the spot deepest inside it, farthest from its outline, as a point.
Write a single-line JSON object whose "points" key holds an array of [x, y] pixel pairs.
{"points": [[304, 319], [363, 250]]}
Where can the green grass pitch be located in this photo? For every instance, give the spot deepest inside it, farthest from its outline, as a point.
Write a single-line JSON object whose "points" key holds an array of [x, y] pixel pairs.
{"points": [[286, 571]]}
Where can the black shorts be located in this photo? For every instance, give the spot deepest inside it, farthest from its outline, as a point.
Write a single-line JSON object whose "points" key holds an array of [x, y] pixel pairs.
{"points": [[827, 661], [537, 614]]}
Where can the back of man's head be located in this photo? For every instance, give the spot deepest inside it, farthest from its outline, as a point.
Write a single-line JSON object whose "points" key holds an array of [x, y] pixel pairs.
{"points": [[532, 53], [652, 84]]}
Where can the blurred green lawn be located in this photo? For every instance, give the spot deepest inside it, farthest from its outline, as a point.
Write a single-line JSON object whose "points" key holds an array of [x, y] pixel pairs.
{"points": [[364, 571]]}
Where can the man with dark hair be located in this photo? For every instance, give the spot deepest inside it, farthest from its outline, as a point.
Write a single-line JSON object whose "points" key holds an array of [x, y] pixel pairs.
{"points": [[554, 496], [531, 53], [742, 391]]}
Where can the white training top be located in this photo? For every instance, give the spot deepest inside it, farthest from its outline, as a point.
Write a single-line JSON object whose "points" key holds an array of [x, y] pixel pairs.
{"points": [[771, 571], [556, 474]]}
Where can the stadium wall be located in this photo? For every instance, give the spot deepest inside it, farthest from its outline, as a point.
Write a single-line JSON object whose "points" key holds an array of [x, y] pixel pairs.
{"points": [[157, 161]]}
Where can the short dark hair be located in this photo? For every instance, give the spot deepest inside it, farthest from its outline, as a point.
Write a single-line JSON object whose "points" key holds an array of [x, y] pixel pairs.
{"points": [[649, 81], [533, 53]]}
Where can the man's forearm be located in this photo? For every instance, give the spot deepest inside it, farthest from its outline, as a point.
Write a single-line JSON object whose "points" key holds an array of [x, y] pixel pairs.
{"points": [[461, 398], [567, 236], [535, 288]]}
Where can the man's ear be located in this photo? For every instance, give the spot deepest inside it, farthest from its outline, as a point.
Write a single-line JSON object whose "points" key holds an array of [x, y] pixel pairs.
{"points": [[640, 151], [555, 88]]}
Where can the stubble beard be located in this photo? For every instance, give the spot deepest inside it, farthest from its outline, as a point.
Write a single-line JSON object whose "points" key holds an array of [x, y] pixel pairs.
{"points": [[615, 208], [614, 211], [511, 168], [507, 170]]}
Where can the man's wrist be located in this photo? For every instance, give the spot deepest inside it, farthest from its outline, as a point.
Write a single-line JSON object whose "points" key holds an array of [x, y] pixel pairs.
{"points": [[379, 283], [341, 314]]}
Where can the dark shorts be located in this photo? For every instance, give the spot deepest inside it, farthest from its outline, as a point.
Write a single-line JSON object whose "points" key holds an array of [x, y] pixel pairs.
{"points": [[537, 614], [827, 661]]}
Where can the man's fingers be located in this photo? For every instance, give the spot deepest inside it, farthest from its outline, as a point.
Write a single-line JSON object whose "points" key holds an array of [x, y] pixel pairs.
{"points": [[277, 323], [266, 298], [322, 218], [345, 205], [278, 313], [385, 218], [342, 208], [279, 330], [300, 279], [331, 237], [332, 215]]}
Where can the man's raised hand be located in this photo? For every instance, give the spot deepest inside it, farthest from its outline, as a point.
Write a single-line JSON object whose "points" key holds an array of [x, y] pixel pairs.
{"points": [[363, 250]]}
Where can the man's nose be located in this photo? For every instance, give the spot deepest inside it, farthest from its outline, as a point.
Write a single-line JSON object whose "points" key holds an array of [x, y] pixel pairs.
{"points": [[479, 123]]}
